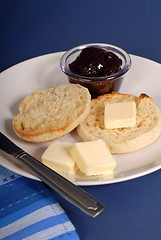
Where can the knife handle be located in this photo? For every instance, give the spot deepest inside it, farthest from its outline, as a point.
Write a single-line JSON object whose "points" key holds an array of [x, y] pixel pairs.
{"points": [[68, 190]]}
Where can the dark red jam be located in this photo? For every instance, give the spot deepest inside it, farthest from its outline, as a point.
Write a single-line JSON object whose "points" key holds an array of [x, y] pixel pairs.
{"points": [[96, 62]]}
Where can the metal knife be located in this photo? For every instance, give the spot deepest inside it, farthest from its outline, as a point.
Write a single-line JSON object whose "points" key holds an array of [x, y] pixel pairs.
{"points": [[68, 190]]}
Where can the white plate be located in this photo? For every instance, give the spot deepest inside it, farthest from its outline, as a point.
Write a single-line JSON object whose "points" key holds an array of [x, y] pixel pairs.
{"points": [[44, 72]]}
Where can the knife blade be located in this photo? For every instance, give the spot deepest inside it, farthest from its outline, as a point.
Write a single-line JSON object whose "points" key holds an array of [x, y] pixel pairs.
{"points": [[67, 189]]}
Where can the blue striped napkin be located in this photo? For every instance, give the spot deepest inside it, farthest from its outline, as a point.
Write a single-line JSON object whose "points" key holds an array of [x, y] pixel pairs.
{"points": [[28, 211]]}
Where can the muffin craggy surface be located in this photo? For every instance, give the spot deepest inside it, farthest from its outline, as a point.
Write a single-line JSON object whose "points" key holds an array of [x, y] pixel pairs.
{"points": [[51, 113]]}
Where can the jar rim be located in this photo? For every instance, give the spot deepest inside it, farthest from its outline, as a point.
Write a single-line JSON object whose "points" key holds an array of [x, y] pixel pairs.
{"points": [[116, 50]]}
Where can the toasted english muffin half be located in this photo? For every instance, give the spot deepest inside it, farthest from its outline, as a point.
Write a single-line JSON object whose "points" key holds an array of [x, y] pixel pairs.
{"points": [[122, 140], [48, 114]]}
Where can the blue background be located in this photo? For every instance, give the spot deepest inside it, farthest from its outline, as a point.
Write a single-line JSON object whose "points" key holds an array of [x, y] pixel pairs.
{"points": [[35, 27], [30, 28]]}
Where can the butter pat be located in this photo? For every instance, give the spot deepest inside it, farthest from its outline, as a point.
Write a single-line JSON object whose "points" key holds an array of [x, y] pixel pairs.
{"points": [[120, 115], [93, 158], [58, 157]]}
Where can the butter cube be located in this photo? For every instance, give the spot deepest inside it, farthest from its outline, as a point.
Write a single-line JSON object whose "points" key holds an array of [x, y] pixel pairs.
{"points": [[93, 158], [120, 115], [58, 157]]}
